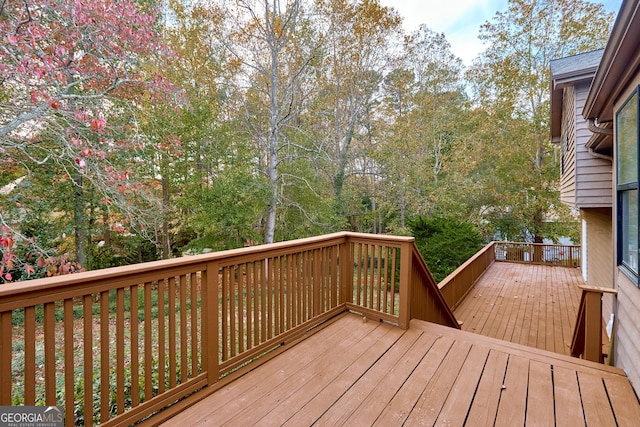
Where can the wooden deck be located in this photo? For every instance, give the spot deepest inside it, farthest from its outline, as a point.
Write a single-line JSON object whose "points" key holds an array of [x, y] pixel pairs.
{"points": [[354, 372], [533, 305]]}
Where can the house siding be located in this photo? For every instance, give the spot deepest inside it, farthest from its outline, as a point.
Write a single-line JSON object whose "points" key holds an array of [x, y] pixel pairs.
{"points": [[593, 174], [600, 262], [568, 141]]}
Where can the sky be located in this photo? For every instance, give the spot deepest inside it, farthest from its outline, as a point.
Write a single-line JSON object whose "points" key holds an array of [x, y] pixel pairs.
{"points": [[459, 20]]}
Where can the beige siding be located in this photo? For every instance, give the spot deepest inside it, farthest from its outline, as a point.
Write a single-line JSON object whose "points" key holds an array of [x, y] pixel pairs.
{"points": [[593, 174], [567, 141], [600, 261], [627, 336]]}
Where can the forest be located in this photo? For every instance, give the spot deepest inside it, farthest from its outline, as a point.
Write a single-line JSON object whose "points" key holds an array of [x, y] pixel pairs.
{"points": [[133, 131]]}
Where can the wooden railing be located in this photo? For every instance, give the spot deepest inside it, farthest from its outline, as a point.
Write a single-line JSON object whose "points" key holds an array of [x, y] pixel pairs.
{"points": [[456, 285], [587, 335], [538, 253], [115, 346]]}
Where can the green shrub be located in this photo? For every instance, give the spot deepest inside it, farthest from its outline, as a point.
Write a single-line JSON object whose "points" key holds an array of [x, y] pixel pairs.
{"points": [[445, 243]]}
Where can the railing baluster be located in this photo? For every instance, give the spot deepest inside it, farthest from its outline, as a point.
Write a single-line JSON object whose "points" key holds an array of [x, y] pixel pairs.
{"points": [[6, 338], [378, 265], [309, 285], [263, 306], [49, 354], [281, 303], [104, 356], [119, 351], [385, 281], [255, 277], [184, 367], [249, 309], [295, 290], [69, 371], [317, 283], [172, 356], [210, 322], [288, 293], [148, 355], [225, 315], [394, 264], [87, 359], [30, 356], [134, 362], [233, 292], [194, 324], [161, 337], [359, 275], [335, 284], [240, 286]]}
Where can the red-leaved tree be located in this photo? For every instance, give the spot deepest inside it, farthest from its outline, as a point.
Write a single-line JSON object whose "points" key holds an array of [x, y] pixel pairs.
{"points": [[71, 76]]}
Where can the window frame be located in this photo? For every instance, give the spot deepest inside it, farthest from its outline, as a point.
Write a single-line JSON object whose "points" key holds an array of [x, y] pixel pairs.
{"points": [[626, 189]]}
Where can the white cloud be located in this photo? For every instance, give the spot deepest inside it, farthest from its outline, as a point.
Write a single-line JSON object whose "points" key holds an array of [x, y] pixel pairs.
{"points": [[459, 20]]}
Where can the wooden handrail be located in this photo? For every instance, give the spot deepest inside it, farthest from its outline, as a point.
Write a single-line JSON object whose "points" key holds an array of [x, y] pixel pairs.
{"points": [[538, 253], [147, 335], [456, 285], [587, 335]]}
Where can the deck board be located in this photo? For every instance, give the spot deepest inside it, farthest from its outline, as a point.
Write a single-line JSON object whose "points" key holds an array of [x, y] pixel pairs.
{"points": [[525, 304], [428, 374]]}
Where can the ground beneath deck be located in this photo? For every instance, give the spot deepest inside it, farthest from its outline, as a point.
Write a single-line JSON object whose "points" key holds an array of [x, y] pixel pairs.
{"points": [[353, 372], [533, 305]]}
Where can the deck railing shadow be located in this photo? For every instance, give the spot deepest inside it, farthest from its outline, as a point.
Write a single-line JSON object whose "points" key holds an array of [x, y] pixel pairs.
{"points": [[116, 346]]}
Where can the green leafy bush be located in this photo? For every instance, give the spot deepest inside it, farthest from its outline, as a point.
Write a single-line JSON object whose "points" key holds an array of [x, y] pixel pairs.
{"points": [[445, 243]]}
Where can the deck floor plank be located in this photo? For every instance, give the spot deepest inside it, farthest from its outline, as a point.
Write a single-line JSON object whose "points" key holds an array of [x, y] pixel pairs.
{"points": [[567, 397], [595, 403], [238, 394], [342, 409], [513, 400], [463, 391], [483, 411], [430, 403], [518, 302], [313, 408], [371, 407], [400, 406], [618, 390], [540, 395], [300, 388]]}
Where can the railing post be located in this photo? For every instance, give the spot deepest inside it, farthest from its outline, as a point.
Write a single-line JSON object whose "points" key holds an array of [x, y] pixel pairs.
{"points": [[590, 318], [210, 327], [5, 358], [406, 256], [593, 326], [346, 272]]}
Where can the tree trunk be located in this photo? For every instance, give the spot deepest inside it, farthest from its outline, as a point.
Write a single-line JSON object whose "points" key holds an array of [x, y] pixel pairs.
{"points": [[79, 221], [165, 244]]}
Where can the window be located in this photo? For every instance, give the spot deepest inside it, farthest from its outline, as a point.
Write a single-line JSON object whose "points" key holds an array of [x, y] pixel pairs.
{"points": [[627, 185]]}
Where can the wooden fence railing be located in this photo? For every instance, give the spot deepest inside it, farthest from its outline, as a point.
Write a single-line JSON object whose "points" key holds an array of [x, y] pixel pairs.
{"points": [[456, 285], [538, 253], [115, 346]]}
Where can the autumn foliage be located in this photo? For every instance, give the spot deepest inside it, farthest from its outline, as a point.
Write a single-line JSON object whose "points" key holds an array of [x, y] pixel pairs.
{"points": [[69, 73]]}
